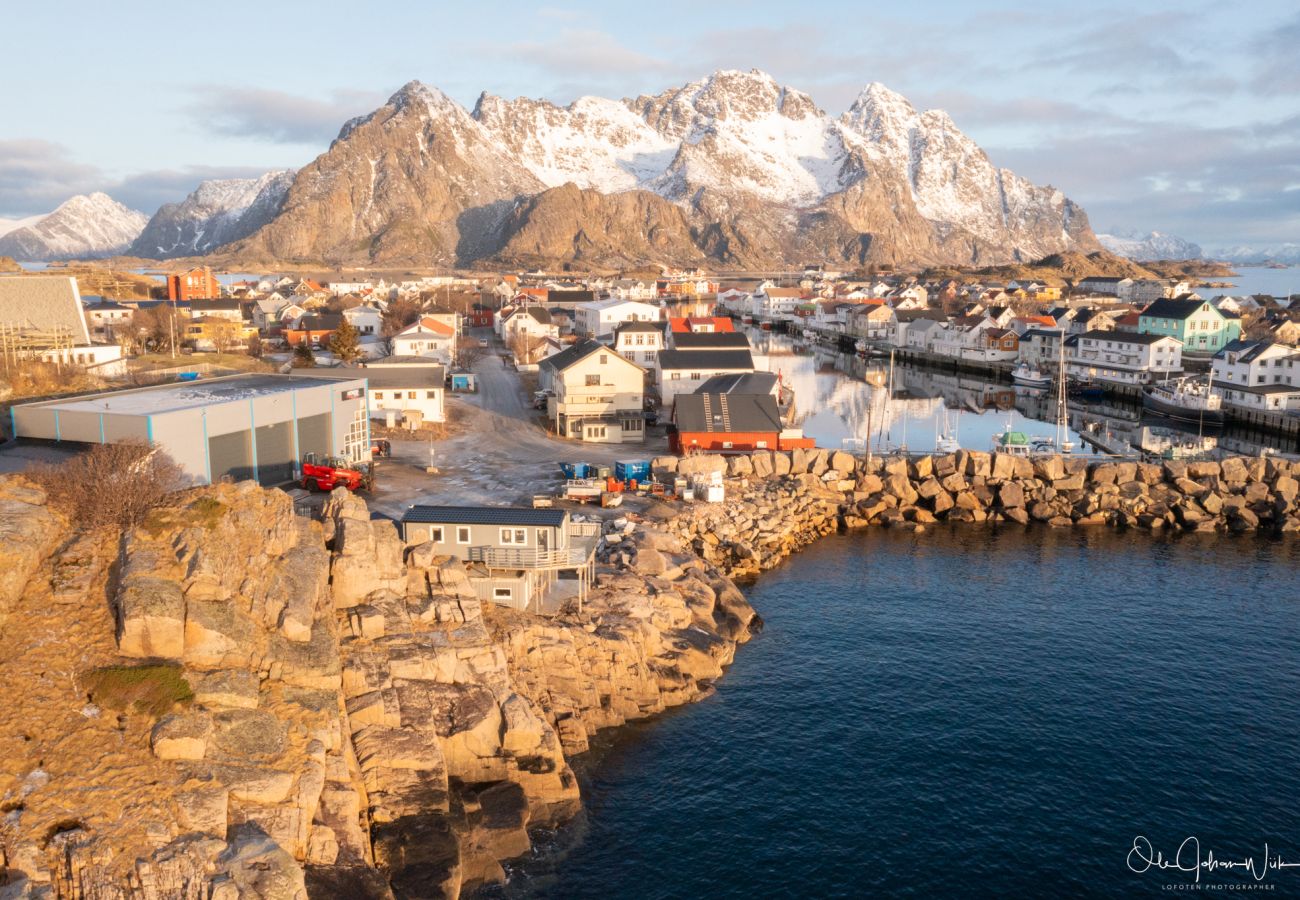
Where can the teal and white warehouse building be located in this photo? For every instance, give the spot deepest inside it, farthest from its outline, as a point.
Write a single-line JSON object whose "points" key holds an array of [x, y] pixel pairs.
{"points": [[242, 426]]}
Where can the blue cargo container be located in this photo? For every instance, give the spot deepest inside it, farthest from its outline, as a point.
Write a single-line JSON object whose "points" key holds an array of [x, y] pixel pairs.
{"points": [[188, 376], [632, 470], [576, 470]]}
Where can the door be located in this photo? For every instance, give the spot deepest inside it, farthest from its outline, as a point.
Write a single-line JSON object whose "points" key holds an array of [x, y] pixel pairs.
{"points": [[543, 540]]}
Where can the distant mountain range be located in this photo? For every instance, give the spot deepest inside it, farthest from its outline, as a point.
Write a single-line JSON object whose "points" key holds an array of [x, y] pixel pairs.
{"points": [[85, 227], [733, 170], [1286, 254], [1149, 247]]}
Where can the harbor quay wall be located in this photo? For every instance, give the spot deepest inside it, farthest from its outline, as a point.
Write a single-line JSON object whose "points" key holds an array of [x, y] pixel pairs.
{"points": [[779, 502]]}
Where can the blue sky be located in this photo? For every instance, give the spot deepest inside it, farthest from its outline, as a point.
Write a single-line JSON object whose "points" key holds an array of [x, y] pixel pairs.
{"points": [[1182, 117]]}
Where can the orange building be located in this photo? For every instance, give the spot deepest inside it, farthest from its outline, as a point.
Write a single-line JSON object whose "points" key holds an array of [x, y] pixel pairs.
{"points": [[196, 284]]}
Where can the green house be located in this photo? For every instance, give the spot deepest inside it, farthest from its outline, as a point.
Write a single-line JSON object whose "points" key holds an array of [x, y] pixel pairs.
{"points": [[1201, 327]]}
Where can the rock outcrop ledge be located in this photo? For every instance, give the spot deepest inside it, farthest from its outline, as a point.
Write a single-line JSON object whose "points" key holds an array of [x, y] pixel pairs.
{"points": [[357, 723]]}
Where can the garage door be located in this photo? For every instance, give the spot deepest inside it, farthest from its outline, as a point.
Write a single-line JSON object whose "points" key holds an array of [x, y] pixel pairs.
{"points": [[275, 453], [231, 454], [314, 435]]}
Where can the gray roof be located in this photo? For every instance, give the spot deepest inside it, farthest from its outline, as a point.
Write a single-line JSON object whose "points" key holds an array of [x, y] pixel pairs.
{"points": [[1177, 309], [694, 340], [565, 358], [742, 412], [741, 383], [401, 377], [1248, 350], [43, 303], [402, 361], [638, 326], [1125, 337], [484, 515], [707, 359], [204, 392]]}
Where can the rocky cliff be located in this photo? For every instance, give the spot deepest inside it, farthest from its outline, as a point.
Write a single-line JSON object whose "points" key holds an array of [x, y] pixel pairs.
{"points": [[753, 173], [236, 701], [215, 213]]}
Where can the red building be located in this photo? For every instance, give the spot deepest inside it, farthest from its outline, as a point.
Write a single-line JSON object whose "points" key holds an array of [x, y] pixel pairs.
{"points": [[730, 423], [701, 324], [480, 316], [196, 284]]}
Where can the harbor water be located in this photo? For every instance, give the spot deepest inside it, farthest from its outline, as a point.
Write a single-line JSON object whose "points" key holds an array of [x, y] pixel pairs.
{"points": [[968, 712]]}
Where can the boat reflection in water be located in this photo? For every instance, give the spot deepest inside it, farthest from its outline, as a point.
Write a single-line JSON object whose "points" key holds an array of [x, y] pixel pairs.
{"points": [[837, 393]]}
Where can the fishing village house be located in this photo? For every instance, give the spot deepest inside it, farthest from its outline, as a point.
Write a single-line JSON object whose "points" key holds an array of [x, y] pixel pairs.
{"points": [[597, 320], [412, 388], [639, 342], [1040, 347], [905, 320], [1261, 375], [700, 325], [527, 559], [1125, 357], [1103, 285], [730, 422], [596, 394], [229, 309], [106, 319], [313, 330], [209, 333], [427, 337], [194, 284], [533, 323], [692, 359], [1197, 324], [773, 303], [367, 320], [873, 321], [1089, 319]]}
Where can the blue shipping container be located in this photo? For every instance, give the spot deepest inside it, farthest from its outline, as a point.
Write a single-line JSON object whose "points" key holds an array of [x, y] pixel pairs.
{"points": [[632, 470]]}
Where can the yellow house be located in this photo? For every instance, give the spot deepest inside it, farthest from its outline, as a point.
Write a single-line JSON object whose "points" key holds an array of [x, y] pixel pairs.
{"points": [[215, 332], [1048, 293]]}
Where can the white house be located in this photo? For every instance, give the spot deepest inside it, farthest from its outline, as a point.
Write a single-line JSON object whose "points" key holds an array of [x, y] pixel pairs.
{"points": [[366, 319], [426, 337], [772, 303], [107, 319], [597, 320], [639, 342], [1123, 356], [414, 387], [1256, 364], [682, 371], [597, 395], [533, 322]]}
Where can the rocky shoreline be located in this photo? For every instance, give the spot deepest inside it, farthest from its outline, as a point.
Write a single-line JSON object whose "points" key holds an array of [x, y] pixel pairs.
{"points": [[779, 502], [360, 724], [357, 723]]}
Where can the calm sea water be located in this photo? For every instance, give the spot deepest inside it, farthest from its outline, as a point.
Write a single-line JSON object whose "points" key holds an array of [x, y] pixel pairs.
{"points": [[966, 713]]}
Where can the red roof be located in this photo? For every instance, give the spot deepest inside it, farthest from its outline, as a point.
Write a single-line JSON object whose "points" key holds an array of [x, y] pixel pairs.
{"points": [[436, 327], [685, 324]]}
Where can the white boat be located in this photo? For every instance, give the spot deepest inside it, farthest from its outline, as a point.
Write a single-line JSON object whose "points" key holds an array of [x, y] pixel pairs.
{"points": [[1187, 399], [809, 334], [945, 440], [860, 346], [1030, 376]]}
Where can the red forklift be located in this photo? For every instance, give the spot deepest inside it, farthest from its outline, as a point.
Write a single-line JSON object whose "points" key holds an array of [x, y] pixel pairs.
{"points": [[325, 473]]}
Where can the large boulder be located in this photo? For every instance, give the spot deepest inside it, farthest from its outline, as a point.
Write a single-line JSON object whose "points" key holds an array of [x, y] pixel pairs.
{"points": [[150, 618]]}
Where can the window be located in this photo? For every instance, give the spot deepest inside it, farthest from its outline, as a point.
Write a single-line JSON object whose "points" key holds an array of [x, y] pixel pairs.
{"points": [[462, 534], [761, 445], [378, 395], [435, 533], [503, 593], [596, 432], [604, 358], [514, 536], [695, 376], [430, 395], [632, 424], [593, 381], [726, 445]]}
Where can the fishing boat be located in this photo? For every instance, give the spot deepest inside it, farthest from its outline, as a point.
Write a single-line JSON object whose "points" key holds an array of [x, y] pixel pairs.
{"points": [[809, 335], [1185, 399], [860, 347], [945, 438], [1029, 376], [1013, 443]]}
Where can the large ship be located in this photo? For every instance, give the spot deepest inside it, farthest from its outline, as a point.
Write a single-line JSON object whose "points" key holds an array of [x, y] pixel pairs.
{"points": [[1185, 399]]}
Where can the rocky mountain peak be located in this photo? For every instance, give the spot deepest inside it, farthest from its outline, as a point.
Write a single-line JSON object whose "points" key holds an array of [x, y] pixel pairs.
{"points": [[85, 226]]}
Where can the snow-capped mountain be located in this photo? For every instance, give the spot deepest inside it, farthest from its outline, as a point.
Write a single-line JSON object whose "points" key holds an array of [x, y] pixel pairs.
{"points": [[1149, 247], [215, 213], [84, 227], [757, 172], [8, 225], [1285, 254]]}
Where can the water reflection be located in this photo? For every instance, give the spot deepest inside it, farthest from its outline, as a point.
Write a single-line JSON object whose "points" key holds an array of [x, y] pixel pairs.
{"points": [[838, 394]]}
